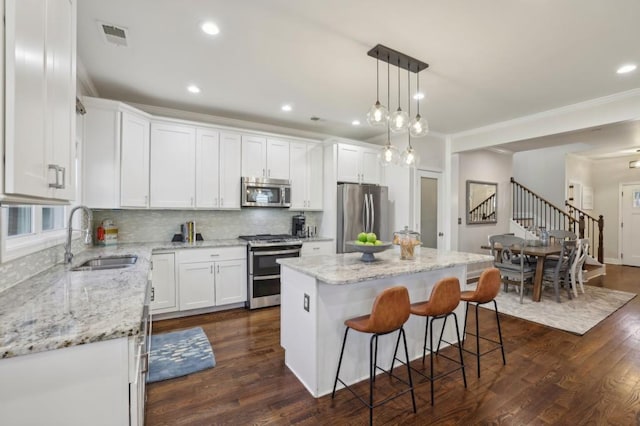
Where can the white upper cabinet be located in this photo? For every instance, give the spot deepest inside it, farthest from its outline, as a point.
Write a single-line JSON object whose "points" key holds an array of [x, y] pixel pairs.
{"points": [[265, 158], [230, 163], [40, 81], [207, 168], [115, 152], [172, 165], [358, 164], [306, 161], [134, 165]]}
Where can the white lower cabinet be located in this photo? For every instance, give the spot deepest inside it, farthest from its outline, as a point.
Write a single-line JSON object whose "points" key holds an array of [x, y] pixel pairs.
{"points": [[312, 248], [198, 278], [163, 289]]}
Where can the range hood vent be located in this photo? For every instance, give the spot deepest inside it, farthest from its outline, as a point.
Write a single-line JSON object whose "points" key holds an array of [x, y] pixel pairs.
{"points": [[113, 34]]}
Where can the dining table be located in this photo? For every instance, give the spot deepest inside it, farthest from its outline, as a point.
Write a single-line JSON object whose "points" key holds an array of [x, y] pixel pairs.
{"points": [[541, 252]]}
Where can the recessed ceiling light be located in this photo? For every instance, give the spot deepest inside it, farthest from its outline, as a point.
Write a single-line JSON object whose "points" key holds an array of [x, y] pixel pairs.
{"points": [[626, 68], [418, 96], [193, 88], [210, 28], [286, 107], [355, 122]]}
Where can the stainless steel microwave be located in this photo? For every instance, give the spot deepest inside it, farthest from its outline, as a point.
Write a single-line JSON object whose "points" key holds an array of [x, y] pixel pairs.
{"points": [[259, 192]]}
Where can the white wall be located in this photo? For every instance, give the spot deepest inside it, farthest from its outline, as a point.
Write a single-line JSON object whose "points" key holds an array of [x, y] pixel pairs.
{"points": [[607, 176], [484, 166]]}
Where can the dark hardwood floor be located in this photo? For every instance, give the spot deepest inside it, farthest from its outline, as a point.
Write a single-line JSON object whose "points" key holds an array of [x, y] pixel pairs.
{"points": [[551, 377]]}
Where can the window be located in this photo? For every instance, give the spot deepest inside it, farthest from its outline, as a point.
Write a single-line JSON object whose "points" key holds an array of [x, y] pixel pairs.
{"points": [[27, 229]]}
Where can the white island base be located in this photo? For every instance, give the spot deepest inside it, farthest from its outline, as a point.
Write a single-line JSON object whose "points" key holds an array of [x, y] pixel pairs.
{"points": [[312, 339]]}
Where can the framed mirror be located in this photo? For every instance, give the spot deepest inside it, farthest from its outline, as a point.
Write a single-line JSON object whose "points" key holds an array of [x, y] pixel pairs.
{"points": [[482, 202]]}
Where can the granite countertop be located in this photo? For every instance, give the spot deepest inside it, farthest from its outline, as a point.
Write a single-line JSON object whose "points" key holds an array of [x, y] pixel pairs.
{"points": [[311, 239], [348, 268], [60, 308]]}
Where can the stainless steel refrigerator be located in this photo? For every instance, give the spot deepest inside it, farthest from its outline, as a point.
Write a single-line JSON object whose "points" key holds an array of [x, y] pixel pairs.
{"points": [[361, 208]]}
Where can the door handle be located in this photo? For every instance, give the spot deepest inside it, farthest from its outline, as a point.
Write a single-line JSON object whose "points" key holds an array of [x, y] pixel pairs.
{"points": [[373, 213], [440, 234]]}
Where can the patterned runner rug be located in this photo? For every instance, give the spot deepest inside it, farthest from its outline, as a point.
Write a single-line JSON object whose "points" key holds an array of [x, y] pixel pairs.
{"points": [[179, 353], [577, 315]]}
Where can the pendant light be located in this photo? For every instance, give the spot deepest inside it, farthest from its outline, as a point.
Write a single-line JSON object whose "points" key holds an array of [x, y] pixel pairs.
{"points": [[378, 114], [419, 126], [409, 157], [398, 120], [389, 153]]}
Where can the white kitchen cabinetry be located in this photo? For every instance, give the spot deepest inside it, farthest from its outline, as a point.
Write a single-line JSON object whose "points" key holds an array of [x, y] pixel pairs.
{"points": [[212, 277], [134, 163], [172, 165], [163, 288], [93, 384], [358, 164], [217, 169], [265, 158], [306, 162], [115, 150], [312, 248], [40, 82]]}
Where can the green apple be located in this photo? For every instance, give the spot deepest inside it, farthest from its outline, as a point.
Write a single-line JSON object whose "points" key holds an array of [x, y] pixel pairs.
{"points": [[371, 237], [368, 243], [362, 237], [359, 243], [377, 243]]}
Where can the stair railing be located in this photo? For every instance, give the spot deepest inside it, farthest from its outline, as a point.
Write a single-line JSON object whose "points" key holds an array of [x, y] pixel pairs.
{"points": [[531, 210], [589, 227]]}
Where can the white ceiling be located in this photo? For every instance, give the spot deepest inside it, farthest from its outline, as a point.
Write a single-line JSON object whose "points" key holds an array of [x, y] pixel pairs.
{"points": [[489, 61]]}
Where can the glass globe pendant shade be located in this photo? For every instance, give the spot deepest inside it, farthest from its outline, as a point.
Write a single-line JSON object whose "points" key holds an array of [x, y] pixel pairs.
{"points": [[418, 127], [398, 121], [378, 115], [388, 155], [409, 157]]}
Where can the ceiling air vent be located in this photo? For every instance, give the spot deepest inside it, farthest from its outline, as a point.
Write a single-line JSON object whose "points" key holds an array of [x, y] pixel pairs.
{"points": [[114, 34]]}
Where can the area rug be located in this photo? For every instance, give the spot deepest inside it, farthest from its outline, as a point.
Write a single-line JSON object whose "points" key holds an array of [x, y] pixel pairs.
{"points": [[179, 353], [577, 315]]}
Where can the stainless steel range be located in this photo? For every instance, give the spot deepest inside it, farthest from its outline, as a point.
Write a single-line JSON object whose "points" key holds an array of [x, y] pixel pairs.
{"points": [[263, 270]]}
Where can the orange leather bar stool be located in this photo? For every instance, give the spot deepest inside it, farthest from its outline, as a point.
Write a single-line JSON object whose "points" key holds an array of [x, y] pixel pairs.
{"points": [[389, 313], [486, 291], [444, 299]]}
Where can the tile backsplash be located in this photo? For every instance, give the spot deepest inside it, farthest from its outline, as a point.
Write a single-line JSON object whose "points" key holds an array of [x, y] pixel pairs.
{"points": [[160, 225]]}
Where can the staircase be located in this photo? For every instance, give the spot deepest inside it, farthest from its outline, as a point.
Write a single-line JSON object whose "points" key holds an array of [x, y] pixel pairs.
{"points": [[531, 210]]}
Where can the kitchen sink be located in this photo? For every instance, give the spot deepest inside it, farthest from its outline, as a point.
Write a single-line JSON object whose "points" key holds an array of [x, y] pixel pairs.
{"points": [[107, 262]]}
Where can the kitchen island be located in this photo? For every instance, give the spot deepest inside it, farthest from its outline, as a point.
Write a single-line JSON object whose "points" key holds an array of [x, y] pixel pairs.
{"points": [[319, 293]]}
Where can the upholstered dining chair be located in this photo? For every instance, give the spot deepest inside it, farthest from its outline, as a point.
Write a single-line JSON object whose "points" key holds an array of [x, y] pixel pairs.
{"points": [[582, 251], [514, 268], [558, 270]]}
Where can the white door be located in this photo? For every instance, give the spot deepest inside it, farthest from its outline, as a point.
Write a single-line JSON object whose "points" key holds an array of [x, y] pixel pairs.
{"points": [[254, 156], [277, 159], [231, 281], [196, 283], [172, 177], [207, 169], [230, 163], [630, 227], [428, 204], [134, 161], [163, 281]]}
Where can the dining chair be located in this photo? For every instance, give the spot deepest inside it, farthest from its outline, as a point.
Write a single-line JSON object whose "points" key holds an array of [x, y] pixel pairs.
{"points": [[513, 266], [582, 251], [560, 234], [558, 270]]}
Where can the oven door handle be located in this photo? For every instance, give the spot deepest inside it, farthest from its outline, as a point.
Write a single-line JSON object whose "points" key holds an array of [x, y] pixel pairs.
{"points": [[271, 253]]}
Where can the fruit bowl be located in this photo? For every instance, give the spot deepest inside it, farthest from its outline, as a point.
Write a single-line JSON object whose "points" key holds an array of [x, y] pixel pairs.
{"points": [[367, 251]]}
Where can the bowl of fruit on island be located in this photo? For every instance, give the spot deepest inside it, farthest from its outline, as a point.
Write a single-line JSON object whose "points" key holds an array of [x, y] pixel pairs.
{"points": [[367, 244]]}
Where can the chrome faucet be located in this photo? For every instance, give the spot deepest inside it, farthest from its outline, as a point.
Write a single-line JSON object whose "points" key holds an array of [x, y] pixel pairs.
{"points": [[68, 256]]}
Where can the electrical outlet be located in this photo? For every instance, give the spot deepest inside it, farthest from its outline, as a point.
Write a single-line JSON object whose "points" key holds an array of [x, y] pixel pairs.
{"points": [[306, 302]]}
